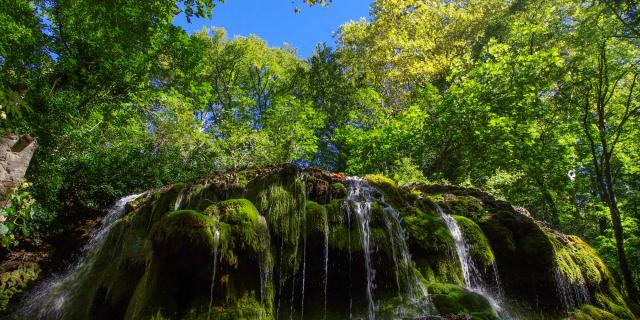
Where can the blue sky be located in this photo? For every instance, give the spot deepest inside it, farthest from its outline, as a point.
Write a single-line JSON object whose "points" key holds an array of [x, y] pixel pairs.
{"points": [[277, 23]]}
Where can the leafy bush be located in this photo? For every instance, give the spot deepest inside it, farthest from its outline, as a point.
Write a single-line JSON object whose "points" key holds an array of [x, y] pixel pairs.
{"points": [[15, 215]]}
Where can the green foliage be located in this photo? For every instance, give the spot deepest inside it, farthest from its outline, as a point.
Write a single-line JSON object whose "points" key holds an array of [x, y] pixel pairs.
{"points": [[15, 215], [533, 101], [14, 283]]}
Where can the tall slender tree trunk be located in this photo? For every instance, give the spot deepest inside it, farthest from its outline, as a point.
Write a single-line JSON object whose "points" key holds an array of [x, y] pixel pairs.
{"points": [[618, 235]]}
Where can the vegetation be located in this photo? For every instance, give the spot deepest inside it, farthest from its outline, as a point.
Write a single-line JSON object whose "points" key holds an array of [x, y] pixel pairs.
{"points": [[537, 102]]}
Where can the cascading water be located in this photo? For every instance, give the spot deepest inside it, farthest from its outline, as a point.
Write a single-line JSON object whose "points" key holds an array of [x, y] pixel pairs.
{"points": [[216, 236], [360, 196], [571, 294], [345, 207], [326, 262], [406, 279], [178, 203], [50, 299], [266, 271], [473, 279], [304, 249]]}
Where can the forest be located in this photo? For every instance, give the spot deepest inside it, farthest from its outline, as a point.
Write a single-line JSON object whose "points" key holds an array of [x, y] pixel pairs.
{"points": [[536, 103]]}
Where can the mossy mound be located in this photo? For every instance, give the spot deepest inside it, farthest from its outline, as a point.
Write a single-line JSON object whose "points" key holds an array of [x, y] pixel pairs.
{"points": [[184, 228], [589, 312], [451, 299], [433, 247], [480, 249], [266, 243]]}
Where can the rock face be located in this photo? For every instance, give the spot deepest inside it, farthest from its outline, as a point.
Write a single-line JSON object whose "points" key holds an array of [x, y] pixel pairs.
{"points": [[15, 155], [285, 243]]}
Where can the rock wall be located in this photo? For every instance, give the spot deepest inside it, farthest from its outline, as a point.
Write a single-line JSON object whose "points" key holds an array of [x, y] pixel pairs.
{"points": [[283, 243], [15, 155]]}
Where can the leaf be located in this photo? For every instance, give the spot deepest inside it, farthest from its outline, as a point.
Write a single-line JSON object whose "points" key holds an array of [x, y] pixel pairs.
{"points": [[3, 230]]}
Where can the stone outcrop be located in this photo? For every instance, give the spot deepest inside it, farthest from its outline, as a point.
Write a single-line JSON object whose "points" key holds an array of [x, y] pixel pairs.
{"points": [[15, 154], [283, 242]]}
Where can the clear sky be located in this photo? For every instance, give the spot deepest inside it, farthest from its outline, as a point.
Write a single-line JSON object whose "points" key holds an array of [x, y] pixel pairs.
{"points": [[277, 23]]}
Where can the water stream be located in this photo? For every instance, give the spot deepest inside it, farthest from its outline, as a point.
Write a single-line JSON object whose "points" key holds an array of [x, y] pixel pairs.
{"points": [[472, 275], [411, 291], [50, 299], [572, 295], [326, 261], [410, 287], [216, 244], [360, 196]]}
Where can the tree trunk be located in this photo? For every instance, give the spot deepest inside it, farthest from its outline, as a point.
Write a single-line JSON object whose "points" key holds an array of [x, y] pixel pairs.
{"points": [[612, 203]]}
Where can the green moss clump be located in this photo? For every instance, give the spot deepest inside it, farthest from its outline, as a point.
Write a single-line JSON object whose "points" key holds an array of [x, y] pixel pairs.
{"points": [[432, 247], [466, 206], [479, 245], [389, 189], [345, 239], [339, 190], [245, 307], [316, 217], [451, 299], [335, 212], [191, 225], [13, 283], [242, 228], [589, 312], [612, 300]]}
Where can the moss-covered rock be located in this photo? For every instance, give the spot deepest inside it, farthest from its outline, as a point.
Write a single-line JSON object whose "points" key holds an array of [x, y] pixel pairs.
{"points": [[263, 232], [479, 247], [433, 247], [589, 312], [184, 228], [392, 194], [451, 299]]}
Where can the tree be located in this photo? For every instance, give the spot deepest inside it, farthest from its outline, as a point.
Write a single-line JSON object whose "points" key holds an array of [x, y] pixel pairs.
{"points": [[409, 44], [605, 89]]}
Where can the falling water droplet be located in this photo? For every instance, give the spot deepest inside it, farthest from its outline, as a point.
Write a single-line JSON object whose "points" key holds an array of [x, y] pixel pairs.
{"points": [[216, 239]]}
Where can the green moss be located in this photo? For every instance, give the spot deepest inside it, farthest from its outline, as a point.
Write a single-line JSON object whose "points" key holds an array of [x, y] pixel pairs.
{"points": [[245, 307], [612, 300], [13, 283], [191, 225], [432, 247], [335, 212], [316, 217], [451, 299], [479, 245], [589, 312], [391, 192], [466, 206], [284, 208], [339, 190], [242, 229]]}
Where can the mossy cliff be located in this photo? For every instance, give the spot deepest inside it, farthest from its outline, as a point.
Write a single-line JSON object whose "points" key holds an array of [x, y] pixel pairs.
{"points": [[279, 242]]}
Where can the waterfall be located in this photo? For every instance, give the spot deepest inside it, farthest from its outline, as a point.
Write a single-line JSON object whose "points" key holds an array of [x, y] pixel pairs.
{"points": [[178, 203], [216, 244], [345, 207], [473, 279], [407, 281], [360, 196], [49, 300], [326, 261], [571, 294], [304, 250]]}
